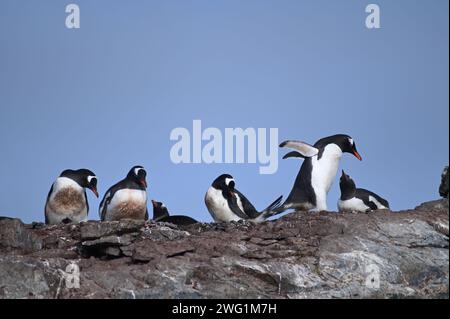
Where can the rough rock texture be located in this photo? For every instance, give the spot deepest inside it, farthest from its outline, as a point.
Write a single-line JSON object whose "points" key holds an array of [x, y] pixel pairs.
{"points": [[301, 255], [434, 205]]}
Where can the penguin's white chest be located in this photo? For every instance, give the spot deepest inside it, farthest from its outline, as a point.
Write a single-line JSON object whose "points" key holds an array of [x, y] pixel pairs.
{"points": [[218, 206], [353, 204], [324, 169], [127, 203], [67, 201]]}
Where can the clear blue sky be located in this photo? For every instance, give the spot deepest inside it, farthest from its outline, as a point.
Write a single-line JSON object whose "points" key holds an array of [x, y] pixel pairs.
{"points": [[107, 96]]}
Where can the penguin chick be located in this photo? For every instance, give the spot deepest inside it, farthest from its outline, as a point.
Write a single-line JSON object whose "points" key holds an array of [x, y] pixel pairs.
{"points": [[358, 199], [161, 214]]}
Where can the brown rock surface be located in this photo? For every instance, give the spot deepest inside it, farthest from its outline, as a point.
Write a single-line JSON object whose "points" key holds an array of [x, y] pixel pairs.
{"points": [[301, 255]]}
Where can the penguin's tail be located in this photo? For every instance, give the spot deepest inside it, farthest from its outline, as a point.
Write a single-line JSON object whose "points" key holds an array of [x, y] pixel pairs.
{"points": [[269, 211], [274, 205], [278, 209]]}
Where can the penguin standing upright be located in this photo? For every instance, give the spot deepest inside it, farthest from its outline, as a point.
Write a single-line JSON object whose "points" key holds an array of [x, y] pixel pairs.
{"points": [[127, 199], [161, 214], [225, 203], [316, 175], [67, 201], [358, 199]]}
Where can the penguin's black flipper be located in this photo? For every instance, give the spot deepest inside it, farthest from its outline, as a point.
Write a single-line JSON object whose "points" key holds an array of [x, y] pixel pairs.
{"points": [[46, 203], [233, 204], [104, 204], [87, 204], [103, 207], [383, 201], [158, 216], [366, 195], [249, 209], [371, 204]]}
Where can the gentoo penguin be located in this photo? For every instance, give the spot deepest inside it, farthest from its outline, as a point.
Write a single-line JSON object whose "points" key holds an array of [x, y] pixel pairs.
{"points": [[127, 199], [161, 214], [318, 170], [67, 201], [225, 203], [358, 199]]}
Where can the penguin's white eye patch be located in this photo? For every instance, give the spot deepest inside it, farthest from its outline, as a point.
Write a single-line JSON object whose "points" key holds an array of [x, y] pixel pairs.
{"points": [[350, 140], [90, 178], [228, 181], [137, 170]]}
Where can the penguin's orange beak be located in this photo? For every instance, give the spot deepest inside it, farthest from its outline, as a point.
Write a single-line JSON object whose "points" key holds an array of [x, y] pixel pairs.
{"points": [[355, 152], [143, 183], [94, 190]]}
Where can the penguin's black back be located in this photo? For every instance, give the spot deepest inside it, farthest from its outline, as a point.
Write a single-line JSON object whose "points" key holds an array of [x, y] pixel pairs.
{"points": [[249, 209], [178, 220], [303, 191], [77, 175], [337, 139], [364, 195], [161, 214], [126, 184], [46, 202]]}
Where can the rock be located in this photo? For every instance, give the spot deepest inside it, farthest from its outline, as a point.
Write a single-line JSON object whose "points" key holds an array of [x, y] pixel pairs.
{"points": [[15, 236], [123, 240], [149, 250], [94, 229], [434, 205], [324, 255], [440, 204], [108, 246], [443, 188]]}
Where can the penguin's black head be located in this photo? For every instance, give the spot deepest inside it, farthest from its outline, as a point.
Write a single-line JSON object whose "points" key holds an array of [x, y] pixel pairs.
{"points": [[138, 174], [84, 177], [346, 183], [345, 142], [159, 210], [224, 182]]}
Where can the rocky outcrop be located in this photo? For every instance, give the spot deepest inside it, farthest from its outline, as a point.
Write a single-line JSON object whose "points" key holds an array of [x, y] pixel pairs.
{"points": [[439, 204], [301, 255], [443, 187]]}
